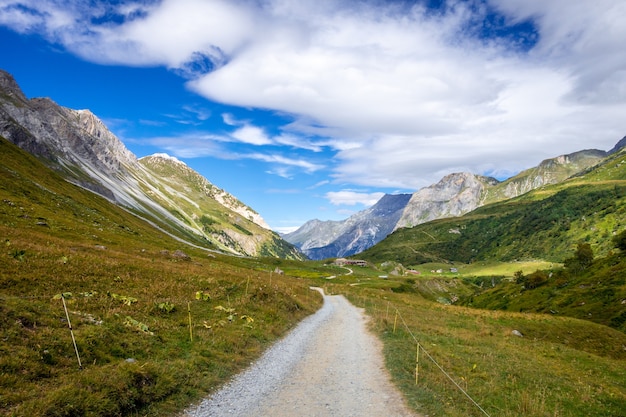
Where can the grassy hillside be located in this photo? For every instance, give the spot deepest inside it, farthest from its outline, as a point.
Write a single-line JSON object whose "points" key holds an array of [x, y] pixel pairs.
{"points": [[543, 224], [596, 293], [558, 366], [195, 201], [130, 292]]}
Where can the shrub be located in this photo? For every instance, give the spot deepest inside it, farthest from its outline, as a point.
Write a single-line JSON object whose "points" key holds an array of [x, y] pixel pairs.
{"points": [[583, 258], [620, 241]]}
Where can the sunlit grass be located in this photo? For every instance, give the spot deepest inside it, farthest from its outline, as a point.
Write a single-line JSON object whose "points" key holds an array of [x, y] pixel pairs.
{"points": [[115, 271], [135, 355], [560, 366], [140, 357]]}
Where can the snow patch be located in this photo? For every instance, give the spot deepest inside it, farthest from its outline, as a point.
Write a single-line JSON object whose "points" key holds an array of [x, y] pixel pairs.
{"points": [[167, 156]]}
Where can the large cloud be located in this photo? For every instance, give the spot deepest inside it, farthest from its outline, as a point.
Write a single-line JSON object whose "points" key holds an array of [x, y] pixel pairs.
{"points": [[403, 94]]}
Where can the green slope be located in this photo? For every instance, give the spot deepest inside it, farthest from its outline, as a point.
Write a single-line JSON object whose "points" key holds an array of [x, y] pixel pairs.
{"points": [[131, 292], [544, 224], [547, 225], [597, 293], [213, 213]]}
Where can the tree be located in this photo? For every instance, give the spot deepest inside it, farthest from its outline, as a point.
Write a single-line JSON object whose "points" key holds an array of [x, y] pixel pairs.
{"points": [[583, 258], [584, 254]]}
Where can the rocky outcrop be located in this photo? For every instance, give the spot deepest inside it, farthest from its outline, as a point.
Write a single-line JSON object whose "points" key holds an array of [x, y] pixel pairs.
{"points": [[549, 171], [455, 195]]}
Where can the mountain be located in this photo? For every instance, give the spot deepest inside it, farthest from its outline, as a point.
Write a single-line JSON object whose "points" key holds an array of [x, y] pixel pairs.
{"points": [[454, 195], [543, 224], [160, 189], [325, 239], [549, 171]]}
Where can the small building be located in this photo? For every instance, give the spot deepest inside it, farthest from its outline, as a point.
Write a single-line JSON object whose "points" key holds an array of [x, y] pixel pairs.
{"points": [[344, 261]]}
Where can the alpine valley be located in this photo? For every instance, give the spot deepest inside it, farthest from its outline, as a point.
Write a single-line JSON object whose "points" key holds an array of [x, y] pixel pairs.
{"points": [[134, 286]]}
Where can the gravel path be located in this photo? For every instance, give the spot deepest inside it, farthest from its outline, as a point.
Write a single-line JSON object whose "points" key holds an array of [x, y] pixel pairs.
{"points": [[330, 365]]}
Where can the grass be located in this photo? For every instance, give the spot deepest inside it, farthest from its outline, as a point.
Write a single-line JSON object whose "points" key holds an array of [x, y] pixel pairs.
{"points": [[561, 366], [503, 268], [138, 356], [132, 295]]}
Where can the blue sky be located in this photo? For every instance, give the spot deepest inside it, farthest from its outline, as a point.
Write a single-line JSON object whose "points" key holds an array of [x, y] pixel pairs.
{"points": [[315, 109]]}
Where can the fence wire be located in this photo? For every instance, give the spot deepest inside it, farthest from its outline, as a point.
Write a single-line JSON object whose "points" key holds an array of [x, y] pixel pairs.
{"points": [[421, 347]]}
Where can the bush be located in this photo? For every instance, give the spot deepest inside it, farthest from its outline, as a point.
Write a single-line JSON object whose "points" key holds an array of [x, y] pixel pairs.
{"points": [[620, 241], [583, 258], [531, 281]]}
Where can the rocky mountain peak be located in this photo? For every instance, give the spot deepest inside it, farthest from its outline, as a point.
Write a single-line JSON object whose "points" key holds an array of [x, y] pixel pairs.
{"points": [[325, 239], [165, 157], [454, 195], [170, 167], [9, 86], [618, 146]]}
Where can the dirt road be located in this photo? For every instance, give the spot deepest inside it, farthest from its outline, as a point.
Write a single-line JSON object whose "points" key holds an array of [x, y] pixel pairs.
{"points": [[330, 365]]}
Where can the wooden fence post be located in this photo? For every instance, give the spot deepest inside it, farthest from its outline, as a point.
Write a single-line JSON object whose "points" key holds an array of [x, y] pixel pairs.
{"points": [[69, 323]]}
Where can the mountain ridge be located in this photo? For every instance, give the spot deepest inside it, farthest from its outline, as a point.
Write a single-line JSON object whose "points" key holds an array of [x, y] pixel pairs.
{"points": [[324, 239], [454, 195], [78, 145]]}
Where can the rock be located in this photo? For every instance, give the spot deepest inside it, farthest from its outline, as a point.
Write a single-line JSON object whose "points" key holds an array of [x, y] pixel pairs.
{"points": [[181, 255], [517, 333]]}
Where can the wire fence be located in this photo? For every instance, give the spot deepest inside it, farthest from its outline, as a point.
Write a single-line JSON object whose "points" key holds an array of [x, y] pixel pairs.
{"points": [[420, 348]]}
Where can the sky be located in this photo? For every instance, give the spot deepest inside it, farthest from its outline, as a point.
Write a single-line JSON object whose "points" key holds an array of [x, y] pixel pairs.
{"points": [[314, 109]]}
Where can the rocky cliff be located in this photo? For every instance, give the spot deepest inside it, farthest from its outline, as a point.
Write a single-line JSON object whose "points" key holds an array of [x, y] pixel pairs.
{"points": [[549, 171], [454, 195]]}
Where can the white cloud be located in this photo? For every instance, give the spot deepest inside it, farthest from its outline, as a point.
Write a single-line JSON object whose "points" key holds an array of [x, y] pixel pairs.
{"points": [[351, 198], [199, 112], [284, 161], [201, 144], [402, 95], [285, 229], [318, 184], [229, 119], [252, 135], [298, 142]]}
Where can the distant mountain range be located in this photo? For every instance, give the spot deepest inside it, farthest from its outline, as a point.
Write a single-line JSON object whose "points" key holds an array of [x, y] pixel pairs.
{"points": [[454, 195], [158, 188], [327, 239]]}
